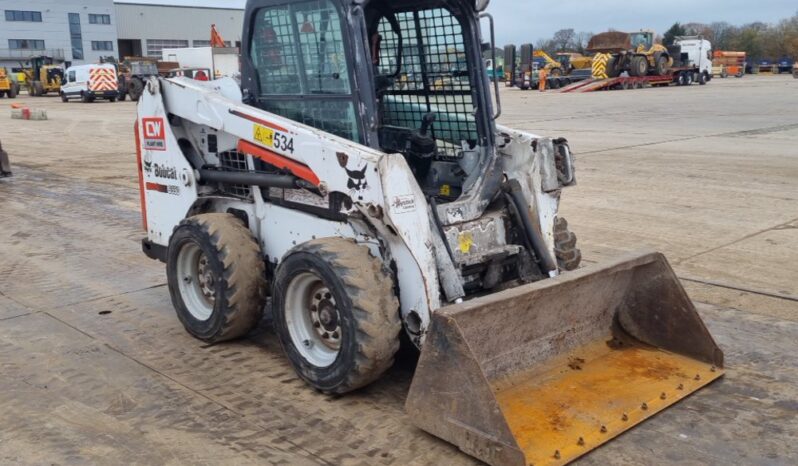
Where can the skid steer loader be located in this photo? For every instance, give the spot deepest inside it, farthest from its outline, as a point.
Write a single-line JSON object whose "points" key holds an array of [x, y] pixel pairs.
{"points": [[367, 202]]}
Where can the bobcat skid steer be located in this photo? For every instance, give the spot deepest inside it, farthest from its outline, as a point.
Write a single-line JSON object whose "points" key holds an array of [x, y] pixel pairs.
{"points": [[367, 202]]}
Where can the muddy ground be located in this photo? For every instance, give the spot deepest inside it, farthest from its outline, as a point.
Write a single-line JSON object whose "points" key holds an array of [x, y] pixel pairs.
{"points": [[97, 369]]}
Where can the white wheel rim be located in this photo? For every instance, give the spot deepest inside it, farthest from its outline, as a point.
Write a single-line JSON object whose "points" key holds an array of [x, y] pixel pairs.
{"points": [[195, 281], [313, 319]]}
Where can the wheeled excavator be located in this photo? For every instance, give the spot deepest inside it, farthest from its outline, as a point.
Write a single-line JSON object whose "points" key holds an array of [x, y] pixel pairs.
{"points": [[372, 206]]}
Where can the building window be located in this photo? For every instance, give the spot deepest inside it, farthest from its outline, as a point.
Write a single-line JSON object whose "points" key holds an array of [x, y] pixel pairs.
{"points": [[99, 19], [102, 45], [156, 46], [30, 16], [76, 35], [25, 44]]}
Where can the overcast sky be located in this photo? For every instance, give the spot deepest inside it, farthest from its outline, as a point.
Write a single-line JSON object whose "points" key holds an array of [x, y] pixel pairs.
{"points": [[519, 21]]}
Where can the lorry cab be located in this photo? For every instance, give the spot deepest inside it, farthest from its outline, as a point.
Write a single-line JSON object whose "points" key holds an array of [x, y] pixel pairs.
{"points": [[695, 52], [90, 82]]}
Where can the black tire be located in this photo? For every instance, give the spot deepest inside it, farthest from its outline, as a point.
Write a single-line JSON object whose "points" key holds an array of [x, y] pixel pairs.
{"points": [[38, 88], [122, 96], [613, 70], [84, 98], [568, 255], [12, 91], [724, 74], [552, 83], [135, 87], [702, 79], [661, 67], [112, 99], [64, 97], [235, 276], [555, 73], [2, 94], [360, 291], [638, 66]]}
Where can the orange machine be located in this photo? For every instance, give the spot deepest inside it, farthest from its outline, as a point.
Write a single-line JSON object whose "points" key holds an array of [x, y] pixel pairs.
{"points": [[725, 64]]}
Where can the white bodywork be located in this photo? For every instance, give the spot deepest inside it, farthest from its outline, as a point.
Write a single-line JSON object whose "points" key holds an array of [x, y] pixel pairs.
{"points": [[389, 212], [97, 78], [699, 53], [222, 61]]}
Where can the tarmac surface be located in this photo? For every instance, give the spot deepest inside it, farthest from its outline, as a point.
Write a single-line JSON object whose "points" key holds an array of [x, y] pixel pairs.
{"points": [[96, 367]]}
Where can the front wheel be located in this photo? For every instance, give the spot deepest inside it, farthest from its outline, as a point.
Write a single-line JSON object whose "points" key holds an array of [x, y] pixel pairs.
{"points": [[64, 98], [336, 314], [216, 275]]}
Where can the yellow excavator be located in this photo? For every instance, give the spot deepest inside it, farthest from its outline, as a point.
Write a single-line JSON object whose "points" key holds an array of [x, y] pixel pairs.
{"points": [[42, 76], [635, 53]]}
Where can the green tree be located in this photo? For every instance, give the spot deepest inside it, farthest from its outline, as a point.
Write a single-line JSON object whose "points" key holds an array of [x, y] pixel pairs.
{"points": [[671, 34]]}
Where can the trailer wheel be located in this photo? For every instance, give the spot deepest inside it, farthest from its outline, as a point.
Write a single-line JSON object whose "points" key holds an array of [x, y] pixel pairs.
{"points": [[568, 255], [336, 314], [638, 66], [216, 275]]}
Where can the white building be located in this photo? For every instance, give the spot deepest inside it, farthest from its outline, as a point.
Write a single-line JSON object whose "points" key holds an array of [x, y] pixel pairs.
{"points": [[77, 31], [145, 27]]}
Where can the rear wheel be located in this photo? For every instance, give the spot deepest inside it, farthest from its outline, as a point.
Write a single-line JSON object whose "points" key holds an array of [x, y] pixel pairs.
{"points": [[702, 79], [112, 99], [64, 97], [638, 66], [661, 65], [135, 87], [568, 255], [336, 314], [38, 88], [14, 91], [2, 94], [216, 276]]}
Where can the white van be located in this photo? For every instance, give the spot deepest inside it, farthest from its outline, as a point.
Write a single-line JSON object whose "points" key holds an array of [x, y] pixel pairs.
{"points": [[90, 82]]}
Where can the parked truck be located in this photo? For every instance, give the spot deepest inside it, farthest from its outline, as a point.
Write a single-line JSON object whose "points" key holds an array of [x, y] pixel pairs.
{"points": [[221, 61]]}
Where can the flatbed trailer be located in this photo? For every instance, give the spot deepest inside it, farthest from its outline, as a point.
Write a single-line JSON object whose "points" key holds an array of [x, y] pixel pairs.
{"points": [[677, 76]]}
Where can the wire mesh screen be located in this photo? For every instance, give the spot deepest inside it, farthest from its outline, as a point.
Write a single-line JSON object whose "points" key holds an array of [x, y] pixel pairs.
{"points": [[298, 51], [274, 52], [434, 78], [235, 161]]}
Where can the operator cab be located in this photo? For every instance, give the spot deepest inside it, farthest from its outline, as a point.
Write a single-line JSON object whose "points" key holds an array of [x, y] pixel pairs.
{"points": [[642, 38], [400, 76]]}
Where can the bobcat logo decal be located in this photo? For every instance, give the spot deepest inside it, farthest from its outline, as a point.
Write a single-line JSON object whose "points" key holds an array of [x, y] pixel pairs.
{"points": [[357, 178]]}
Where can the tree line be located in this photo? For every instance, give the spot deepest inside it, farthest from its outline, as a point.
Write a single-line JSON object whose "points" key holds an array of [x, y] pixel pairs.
{"points": [[759, 40]]}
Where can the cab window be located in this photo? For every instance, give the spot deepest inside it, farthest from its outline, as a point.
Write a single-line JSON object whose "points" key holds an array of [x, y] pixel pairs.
{"points": [[303, 73], [71, 76]]}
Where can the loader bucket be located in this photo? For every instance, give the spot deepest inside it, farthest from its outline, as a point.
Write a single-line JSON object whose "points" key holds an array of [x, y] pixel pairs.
{"points": [[609, 42], [543, 373]]}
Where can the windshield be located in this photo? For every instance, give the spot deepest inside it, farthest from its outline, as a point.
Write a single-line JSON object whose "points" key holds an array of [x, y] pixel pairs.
{"points": [[641, 38]]}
